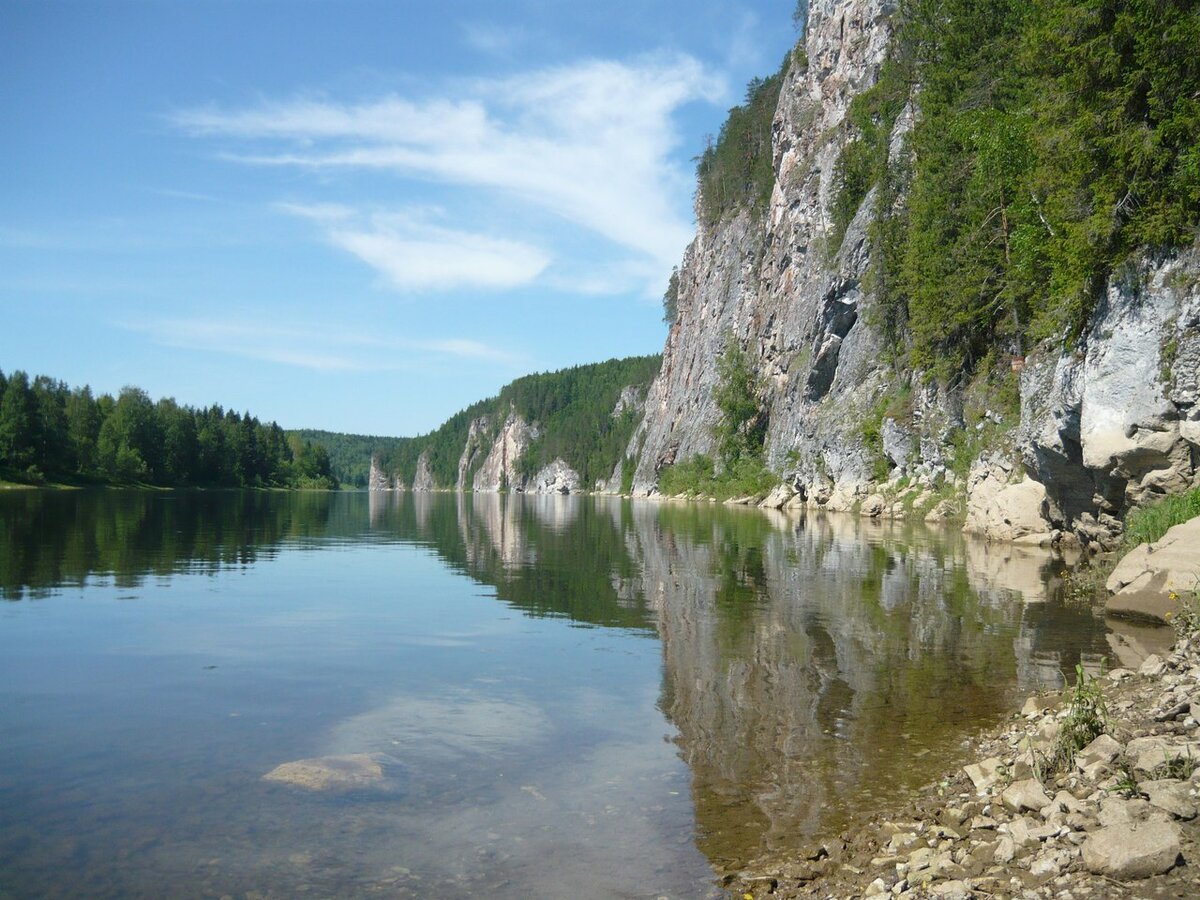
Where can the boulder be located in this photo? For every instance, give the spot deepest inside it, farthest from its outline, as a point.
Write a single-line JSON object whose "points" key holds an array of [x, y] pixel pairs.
{"points": [[1100, 753], [1023, 795], [1171, 795], [779, 497], [1130, 850], [1002, 509], [1141, 584], [897, 443], [984, 773], [355, 771]]}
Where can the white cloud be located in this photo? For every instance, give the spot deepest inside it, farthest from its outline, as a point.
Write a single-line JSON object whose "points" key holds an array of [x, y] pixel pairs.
{"points": [[591, 143], [414, 254], [323, 349], [441, 258], [495, 40]]}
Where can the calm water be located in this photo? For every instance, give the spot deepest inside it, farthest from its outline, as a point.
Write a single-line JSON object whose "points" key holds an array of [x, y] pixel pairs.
{"points": [[566, 696]]}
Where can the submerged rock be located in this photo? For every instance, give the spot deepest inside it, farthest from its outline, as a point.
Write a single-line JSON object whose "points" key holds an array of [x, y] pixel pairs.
{"points": [[355, 771]]}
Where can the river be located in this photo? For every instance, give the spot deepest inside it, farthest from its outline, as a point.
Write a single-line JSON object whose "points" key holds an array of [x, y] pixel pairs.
{"points": [[555, 696]]}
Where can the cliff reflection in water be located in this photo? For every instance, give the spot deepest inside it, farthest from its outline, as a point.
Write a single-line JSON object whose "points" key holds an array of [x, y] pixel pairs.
{"points": [[813, 667]]}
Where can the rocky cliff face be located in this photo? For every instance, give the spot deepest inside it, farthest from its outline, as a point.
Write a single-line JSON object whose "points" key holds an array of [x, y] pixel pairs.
{"points": [[1108, 423], [772, 284], [490, 463], [499, 470]]}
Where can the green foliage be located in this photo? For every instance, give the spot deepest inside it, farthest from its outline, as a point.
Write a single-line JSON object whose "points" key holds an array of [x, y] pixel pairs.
{"points": [[738, 394], [671, 298], [572, 408], [349, 454], [698, 477], [1086, 719], [1054, 139], [48, 430], [628, 470], [1149, 523], [740, 433], [736, 172]]}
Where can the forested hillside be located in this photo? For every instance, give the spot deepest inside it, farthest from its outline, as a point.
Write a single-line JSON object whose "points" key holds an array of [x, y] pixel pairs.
{"points": [[50, 431], [1053, 139], [572, 408], [349, 454]]}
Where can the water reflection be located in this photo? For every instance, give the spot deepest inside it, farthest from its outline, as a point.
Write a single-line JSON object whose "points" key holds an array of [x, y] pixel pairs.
{"points": [[812, 667]]}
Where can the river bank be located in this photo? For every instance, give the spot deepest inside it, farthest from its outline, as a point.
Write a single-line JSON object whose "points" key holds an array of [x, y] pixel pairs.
{"points": [[1029, 819]]}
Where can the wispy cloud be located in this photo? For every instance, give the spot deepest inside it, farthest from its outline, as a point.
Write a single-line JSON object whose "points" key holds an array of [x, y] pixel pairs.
{"points": [[591, 143], [322, 349], [495, 40], [414, 254]]}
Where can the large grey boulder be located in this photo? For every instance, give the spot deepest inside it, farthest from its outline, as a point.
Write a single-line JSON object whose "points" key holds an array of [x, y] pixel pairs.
{"points": [[1141, 584], [1132, 850], [1003, 506]]}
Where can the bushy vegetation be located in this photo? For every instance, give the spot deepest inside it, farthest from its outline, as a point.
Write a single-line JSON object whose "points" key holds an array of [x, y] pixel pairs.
{"points": [[1149, 523], [49, 431], [349, 454], [572, 408], [1054, 139], [740, 433], [1086, 720], [736, 171]]}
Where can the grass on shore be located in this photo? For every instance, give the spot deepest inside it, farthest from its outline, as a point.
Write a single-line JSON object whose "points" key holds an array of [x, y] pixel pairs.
{"points": [[1149, 523]]}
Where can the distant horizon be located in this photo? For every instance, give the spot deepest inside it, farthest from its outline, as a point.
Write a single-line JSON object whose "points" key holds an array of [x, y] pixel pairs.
{"points": [[359, 215]]}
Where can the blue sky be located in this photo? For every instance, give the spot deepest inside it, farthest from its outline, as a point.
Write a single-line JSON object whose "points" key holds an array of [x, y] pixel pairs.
{"points": [[360, 216]]}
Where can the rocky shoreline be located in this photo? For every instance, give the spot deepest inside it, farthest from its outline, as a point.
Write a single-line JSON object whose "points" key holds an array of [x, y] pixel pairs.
{"points": [[1115, 819]]}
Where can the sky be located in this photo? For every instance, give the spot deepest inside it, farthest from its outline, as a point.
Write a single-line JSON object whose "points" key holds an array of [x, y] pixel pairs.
{"points": [[359, 216]]}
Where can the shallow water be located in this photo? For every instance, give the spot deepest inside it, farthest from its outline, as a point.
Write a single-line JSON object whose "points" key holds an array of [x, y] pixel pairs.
{"points": [[566, 696]]}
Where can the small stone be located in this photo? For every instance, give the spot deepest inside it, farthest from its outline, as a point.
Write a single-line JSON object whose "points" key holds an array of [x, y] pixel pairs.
{"points": [[1152, 666], [876, 888], [984, 773], [1132, 851], [901, 840], [1023, 795], [1050, 863], [1032, 708], [1171, 795], [1100, 753], [1006, 850], [953, 890]]}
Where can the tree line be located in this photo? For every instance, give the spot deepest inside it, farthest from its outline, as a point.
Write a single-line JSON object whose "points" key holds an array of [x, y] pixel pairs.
{"points": [[572, 407], [349, 454], [50, 431], [1055, 142]]}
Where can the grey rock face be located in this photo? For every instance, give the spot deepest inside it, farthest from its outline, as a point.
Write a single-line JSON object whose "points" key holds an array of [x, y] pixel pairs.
{"points": [[499, 469], [1116, 422], [423, 480], [773, 286], [556, 478], [1111, 422]]}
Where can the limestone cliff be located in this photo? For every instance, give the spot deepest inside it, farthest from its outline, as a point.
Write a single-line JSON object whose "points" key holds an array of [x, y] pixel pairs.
{"points": [[1110, 422]]}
